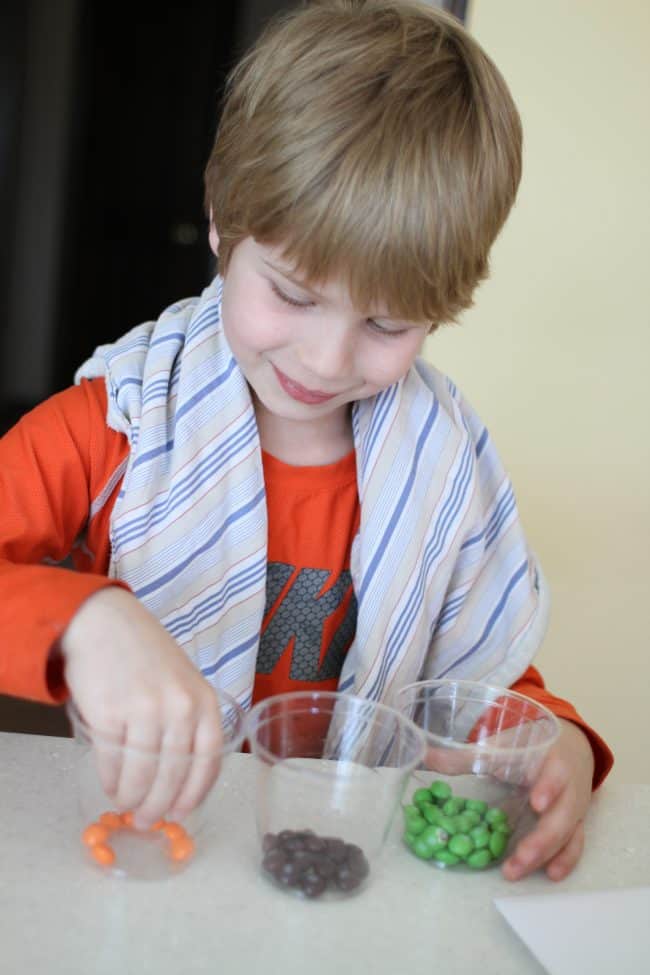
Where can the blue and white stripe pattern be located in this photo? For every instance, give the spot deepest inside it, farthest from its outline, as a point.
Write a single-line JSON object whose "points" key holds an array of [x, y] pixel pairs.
{"points": [[445, 583]]}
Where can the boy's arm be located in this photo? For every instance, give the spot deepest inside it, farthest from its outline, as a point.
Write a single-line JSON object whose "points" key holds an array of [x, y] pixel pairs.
{"points": [[51, 466], [531, 683], [128, 676]]}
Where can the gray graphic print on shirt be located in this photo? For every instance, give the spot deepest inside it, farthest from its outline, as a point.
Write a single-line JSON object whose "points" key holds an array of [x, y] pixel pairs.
{"points": [[302, 614]]}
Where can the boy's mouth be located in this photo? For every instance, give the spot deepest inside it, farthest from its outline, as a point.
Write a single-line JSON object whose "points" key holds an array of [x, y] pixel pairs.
{"points": [[301, 393]]}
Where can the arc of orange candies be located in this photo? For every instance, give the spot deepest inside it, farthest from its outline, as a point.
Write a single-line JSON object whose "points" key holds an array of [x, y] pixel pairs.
{"points": [[97, 835]]}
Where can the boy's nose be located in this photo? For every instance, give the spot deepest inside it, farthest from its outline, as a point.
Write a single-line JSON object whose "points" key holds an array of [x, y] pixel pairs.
{"points": [[330, 356]]}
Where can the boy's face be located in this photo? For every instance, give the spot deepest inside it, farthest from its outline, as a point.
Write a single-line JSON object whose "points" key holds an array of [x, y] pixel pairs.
{"points": [[307, 353]]}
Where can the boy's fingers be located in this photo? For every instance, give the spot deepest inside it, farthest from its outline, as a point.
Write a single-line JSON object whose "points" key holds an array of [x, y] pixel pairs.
{"points": [[448, 761], [198, 783], [563, 863], [550, 784], [108, 761], [208, 744], [550, 835], [172, 770], [139, 771], [107, 737], [139, 764]]}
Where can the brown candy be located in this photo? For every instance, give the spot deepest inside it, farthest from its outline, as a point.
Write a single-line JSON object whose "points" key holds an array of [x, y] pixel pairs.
{"points": [[301, 859]]}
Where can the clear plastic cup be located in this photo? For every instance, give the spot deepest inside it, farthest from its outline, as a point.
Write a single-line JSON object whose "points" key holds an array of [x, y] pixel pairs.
{"points": [[108, 837], [331, 770], [467, 802]]}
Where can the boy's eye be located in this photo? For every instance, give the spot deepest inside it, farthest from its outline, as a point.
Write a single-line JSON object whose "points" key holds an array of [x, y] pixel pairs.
{"points": [[384, 329], [288, 300]]}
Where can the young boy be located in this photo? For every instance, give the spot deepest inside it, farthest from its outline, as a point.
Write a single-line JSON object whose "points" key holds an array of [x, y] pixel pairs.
{"points": [[266, 489]]}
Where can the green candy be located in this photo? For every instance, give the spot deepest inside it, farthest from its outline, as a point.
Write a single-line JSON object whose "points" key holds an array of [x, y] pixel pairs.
{"points": [[448, 823], [415, 824], [465, 822], [440, 790], [472, 817], [498, 843], [420, 796], [479, 859], [501, 828], [481, 836], [452, 807], [435, 838], [461, 845], [495, 815], [451, 829], [431, 813], [476, 805], [421, 848]]}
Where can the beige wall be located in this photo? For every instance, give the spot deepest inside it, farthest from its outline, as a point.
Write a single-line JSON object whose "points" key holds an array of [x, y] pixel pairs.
{"points": [[555, 355]]}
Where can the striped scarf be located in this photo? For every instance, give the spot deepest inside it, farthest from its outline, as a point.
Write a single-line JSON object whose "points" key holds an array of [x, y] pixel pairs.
{"points": [[444, 581]]}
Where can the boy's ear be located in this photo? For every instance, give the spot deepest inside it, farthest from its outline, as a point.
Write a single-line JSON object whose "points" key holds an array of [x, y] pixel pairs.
{"points": [[213, 236]]}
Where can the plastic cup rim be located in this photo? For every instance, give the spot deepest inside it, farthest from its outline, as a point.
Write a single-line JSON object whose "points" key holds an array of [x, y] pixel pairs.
{"points": [[93, 736], [482, 746], [266, 755]]}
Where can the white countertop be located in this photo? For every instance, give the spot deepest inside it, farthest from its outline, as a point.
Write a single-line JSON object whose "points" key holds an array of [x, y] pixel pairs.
{"points": [[58, 915]]}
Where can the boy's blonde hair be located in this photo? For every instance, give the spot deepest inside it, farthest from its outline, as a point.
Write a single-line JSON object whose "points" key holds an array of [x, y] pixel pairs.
{"points": [[375, 143]]}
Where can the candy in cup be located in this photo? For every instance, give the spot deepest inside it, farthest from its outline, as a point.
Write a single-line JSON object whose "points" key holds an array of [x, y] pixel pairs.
{"points": [[467, 802], [108, 833], [331, 770]]}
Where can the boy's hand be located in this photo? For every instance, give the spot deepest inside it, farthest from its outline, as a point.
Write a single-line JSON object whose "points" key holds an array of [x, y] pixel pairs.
{"points": [[560, 796], [134, 685]]}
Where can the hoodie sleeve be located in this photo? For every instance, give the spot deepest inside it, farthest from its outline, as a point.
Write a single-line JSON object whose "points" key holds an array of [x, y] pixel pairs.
{"points": [[54, 463]]}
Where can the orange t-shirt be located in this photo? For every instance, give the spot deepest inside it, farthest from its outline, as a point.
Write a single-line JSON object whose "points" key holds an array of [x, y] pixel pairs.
{"points": [[310, 614]]}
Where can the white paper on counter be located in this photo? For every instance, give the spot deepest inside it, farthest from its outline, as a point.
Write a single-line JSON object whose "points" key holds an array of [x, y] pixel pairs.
{"points": [[596, 933]]}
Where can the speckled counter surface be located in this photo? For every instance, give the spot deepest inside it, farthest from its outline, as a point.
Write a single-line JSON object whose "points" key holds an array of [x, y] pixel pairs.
{"points": [[58, 915]]}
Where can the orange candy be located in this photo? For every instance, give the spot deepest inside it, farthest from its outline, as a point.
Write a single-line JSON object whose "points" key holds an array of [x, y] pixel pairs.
{"points": [[94, 834], [103, 854], [174, 831], [181, 848], [111, 820]]}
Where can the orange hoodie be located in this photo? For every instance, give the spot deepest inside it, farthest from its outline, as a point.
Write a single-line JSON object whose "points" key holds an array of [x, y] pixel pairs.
{"points": [[59, 479]]}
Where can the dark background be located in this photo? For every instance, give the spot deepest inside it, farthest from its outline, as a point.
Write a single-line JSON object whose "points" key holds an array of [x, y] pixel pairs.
{"points": [[107, 114]]}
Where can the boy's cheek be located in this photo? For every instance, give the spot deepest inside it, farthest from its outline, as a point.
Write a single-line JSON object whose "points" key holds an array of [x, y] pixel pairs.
{"points": [[397, 364]]}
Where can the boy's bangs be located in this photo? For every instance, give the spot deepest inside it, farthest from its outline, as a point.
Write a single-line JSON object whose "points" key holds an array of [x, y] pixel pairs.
{"points": [[398, 229], [365, 249], [379, 282]]}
